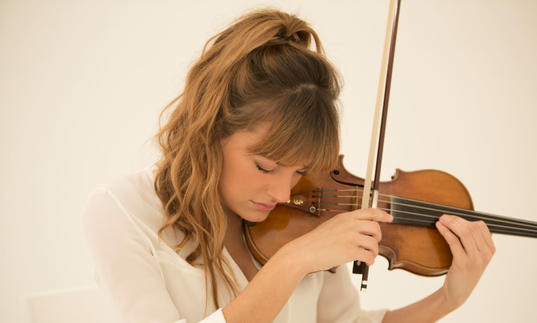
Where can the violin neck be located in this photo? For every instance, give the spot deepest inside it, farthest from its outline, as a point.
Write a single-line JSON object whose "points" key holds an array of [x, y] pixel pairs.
{"points": [[408, 211]]}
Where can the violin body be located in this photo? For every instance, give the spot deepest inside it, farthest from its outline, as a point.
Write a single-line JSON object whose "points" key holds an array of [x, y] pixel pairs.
{"points": [[421, 249], [418, 248]]}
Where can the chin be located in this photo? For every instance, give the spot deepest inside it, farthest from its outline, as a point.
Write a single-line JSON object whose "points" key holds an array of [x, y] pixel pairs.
{"points": [[255, 216]]}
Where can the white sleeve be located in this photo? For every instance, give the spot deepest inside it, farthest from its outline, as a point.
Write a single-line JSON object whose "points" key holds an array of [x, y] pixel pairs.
{"points": [[339, 301], [125, 266]]}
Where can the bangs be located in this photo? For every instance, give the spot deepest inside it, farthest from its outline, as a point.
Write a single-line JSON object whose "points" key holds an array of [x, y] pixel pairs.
{"points": [[304, 133]]}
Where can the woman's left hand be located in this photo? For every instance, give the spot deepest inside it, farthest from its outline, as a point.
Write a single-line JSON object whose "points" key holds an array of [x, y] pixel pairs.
{"points": [[472, 249]]}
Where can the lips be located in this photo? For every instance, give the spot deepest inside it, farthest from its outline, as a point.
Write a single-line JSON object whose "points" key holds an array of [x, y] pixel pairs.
{"points": [[263, 207]]}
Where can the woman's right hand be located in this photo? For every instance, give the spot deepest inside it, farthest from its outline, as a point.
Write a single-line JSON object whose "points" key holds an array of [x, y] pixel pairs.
{"points": [[344, 238]]}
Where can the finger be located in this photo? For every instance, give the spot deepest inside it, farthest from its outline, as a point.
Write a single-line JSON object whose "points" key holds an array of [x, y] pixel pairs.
{"points": [[370, 228], [483, 240], [463, 230], [365, 255], [453, 241], [487, 236], [367, 243], [373, 215]]}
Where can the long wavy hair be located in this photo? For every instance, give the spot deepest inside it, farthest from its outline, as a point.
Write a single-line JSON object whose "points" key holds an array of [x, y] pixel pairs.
{"points": [[260, 69]]}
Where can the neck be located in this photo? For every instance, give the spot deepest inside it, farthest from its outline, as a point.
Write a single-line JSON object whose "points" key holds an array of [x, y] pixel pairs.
{"points": [[234, 227], [408, 211]]}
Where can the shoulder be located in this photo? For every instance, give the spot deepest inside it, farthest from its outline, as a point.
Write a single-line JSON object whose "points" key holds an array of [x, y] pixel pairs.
{"points": [[128, 203], [132, 193]]}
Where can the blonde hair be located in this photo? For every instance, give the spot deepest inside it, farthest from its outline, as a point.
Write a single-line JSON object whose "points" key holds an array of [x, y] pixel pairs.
{"points": [[259, 69]]}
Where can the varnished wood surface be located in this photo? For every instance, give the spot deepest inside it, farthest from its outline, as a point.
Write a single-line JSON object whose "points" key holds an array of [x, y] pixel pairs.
{"points": [[421, 250]]}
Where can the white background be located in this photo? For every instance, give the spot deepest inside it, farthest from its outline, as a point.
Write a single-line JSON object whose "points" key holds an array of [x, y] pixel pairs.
{"points": [[82, 83]]}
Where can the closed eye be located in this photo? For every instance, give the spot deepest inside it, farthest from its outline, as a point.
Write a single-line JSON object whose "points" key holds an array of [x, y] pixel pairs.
{"points": [[263, 169], [266, 171]]}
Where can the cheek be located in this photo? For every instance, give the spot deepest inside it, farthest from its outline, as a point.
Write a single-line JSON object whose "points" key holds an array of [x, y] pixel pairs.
{"points": [[247, 182], [240, 181], [295, 181]]}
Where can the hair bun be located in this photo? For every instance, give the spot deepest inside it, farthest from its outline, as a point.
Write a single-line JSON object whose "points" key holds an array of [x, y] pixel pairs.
{"points": [[297, 36]]}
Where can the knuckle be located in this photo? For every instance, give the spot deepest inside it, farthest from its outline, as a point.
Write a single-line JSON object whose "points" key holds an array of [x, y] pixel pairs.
{"points": [[375, 230], [361, 254], [371, 258], [492, 250], [355, 240], [466, 232], [488, 257], [448, 218], [477, 227], [374, 247], [377, 227], [373, 243], [355, 226]]}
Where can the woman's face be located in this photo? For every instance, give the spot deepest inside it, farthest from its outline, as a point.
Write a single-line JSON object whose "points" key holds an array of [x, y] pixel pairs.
{"points": [[251, 185]]}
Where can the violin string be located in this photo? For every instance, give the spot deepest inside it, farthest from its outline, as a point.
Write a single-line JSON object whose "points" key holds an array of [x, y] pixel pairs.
{"points": [[498, 227], [425, 215], [466, 213], [495, 228]]}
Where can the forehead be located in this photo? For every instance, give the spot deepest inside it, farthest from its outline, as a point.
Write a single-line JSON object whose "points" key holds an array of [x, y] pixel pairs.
{"points": [[243, 140], [248, 141]]}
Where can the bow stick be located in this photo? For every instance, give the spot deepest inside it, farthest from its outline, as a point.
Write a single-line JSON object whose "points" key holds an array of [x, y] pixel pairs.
{"points": [[369, 199]]}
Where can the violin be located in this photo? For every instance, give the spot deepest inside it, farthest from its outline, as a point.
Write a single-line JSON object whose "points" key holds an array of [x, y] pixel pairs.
{"points": [[415, 200]]}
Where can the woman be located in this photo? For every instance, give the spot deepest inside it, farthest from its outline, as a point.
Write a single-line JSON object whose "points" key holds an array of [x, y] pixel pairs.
{"points": [[258, 111]]}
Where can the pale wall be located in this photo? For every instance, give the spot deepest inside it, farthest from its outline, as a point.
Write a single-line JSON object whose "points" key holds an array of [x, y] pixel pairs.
{"points": [[82, 83]]}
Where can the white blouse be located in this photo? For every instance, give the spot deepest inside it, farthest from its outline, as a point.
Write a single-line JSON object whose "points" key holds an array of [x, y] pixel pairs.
{"points": [[149, 282]]}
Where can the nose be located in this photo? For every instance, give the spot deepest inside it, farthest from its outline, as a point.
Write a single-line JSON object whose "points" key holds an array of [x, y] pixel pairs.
{"points": [[280, 188]]}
